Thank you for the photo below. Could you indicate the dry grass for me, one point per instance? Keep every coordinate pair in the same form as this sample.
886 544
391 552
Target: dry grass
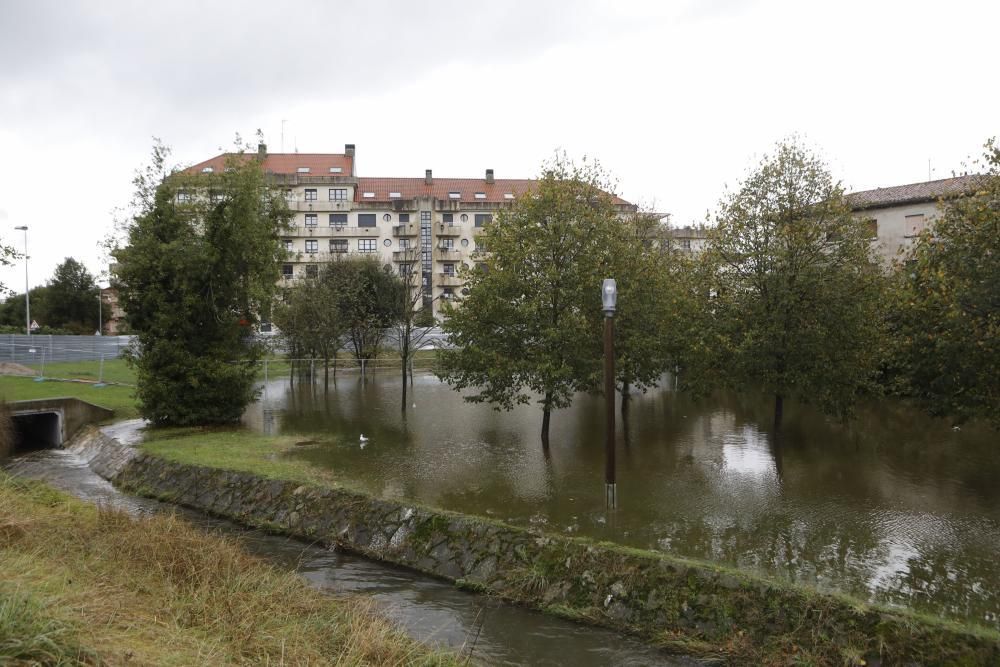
104 588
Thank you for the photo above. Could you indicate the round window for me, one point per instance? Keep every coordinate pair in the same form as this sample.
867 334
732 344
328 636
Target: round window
387 217
465 217
465 243
387 243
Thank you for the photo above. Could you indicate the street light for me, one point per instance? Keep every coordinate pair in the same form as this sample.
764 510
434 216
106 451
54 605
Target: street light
27 299
609 297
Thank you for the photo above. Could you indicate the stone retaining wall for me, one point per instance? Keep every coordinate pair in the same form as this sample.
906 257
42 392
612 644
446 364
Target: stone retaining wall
690 607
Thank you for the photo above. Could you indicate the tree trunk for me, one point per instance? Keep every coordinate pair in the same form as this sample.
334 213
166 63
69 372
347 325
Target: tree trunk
402 364
326 373
546 418
626 395
779 410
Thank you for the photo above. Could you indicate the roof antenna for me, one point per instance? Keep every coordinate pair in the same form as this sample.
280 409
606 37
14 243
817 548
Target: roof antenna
283 121
928 169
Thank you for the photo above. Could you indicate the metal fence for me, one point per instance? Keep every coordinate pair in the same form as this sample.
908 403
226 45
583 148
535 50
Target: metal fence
59 356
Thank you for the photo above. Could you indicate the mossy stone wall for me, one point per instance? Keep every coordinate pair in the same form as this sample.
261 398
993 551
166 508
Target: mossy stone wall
688 606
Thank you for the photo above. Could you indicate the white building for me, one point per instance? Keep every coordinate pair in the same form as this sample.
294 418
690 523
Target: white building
424 224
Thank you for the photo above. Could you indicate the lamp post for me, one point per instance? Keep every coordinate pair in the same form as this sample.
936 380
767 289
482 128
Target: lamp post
27 297
609 297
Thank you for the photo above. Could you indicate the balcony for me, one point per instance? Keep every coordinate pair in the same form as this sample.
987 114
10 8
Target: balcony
319 205
447 229
447 255
411 255
449 280
409 229
325 231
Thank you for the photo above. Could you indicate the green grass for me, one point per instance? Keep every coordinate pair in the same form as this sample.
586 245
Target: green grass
237 449
116 397
85 585
115 370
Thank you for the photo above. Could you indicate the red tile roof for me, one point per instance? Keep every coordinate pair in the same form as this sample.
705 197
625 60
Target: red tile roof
288 163
913 193
440 188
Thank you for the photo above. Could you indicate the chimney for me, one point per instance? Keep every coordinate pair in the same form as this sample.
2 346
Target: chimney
349 150
261 151
489 176
428 178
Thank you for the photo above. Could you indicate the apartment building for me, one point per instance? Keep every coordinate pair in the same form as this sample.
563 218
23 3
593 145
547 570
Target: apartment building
895 216
427 225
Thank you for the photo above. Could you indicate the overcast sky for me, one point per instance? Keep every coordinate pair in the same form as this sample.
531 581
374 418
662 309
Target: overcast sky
676 99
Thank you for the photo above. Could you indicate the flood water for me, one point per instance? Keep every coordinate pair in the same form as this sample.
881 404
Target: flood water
895 508
428 609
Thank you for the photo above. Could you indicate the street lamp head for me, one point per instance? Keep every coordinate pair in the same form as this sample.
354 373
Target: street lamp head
22 228
609 296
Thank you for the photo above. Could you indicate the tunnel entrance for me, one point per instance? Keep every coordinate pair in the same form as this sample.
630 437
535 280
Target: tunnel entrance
37 430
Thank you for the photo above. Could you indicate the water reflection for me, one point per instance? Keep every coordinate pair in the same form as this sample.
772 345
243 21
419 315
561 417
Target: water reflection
894 507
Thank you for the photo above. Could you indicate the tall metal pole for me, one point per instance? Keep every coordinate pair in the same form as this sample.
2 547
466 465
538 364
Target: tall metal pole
609 299
27 297
100 313
610 486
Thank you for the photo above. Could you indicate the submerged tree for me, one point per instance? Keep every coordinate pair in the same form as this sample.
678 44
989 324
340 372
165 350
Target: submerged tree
368 299
531 321
946 324
791 306
202 257
414 320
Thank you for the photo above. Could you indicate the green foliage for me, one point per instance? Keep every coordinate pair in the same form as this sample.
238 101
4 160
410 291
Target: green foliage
71 301
192 279
789 302
368 301
531 323
946 323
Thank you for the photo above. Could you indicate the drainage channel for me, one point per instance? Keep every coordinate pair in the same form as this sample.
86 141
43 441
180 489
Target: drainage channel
429 610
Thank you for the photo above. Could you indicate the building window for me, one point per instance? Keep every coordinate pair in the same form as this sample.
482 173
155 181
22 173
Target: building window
405 270
686 244
366 220
310 194
404 244
336 170
404 217
480 246
394 195
449 218
338 220
465 217
483 218
312 271
303 170
449 269
368 195
387 242
312 246
338 194
286 271
311 219
184 197
288 245
508 195
447 294
366 245
871 226
338 245
454 195
387 217
465 243
915 224
217 197
480 195
289 195
446 244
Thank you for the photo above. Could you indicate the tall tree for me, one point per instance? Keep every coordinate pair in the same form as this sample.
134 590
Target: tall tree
368 301
202 257
310 322
72 298
531 321
946 325
414 321
795 288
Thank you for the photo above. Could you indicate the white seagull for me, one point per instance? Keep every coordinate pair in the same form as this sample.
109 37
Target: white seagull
363 440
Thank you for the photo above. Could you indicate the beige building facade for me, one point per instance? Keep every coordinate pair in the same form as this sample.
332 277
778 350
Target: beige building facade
427 225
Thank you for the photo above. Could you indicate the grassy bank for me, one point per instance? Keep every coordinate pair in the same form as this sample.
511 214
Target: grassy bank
84 585
117 397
